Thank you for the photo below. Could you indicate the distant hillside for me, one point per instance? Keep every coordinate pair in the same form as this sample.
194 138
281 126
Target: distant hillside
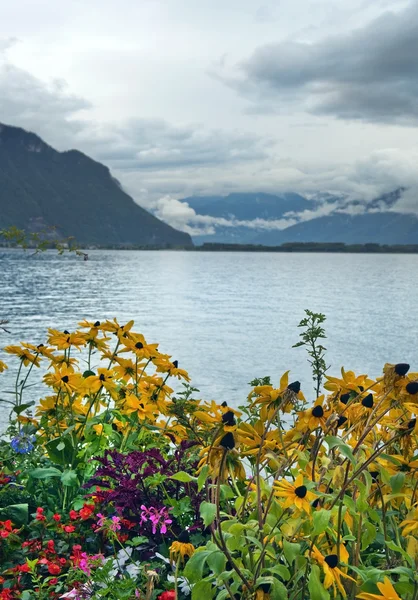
378 228
40 187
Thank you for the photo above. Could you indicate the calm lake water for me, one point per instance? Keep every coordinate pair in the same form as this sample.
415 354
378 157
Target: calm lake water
226 317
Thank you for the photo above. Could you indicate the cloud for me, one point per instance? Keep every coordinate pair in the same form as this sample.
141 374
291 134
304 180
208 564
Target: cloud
182 216
368 74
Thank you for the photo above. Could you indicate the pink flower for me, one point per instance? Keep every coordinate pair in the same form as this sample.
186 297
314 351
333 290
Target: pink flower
158 518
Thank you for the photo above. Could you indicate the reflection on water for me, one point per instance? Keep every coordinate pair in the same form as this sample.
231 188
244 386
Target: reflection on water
227 317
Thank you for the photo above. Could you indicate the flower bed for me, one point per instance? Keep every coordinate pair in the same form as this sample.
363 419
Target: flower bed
113 486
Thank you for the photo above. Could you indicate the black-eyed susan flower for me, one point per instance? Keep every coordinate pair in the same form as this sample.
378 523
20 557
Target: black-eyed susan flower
295 494
64 377
332 572
64 339
314 417
181 548
3 366
27 357
386 589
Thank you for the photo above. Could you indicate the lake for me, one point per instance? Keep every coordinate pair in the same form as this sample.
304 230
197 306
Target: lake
226 317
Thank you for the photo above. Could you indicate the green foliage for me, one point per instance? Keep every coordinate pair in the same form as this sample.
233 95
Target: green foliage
313 331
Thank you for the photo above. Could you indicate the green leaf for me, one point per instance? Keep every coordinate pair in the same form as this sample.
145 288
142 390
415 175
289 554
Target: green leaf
277 589
396 482
59 454
183 477
396 548
17 513
282 571
203 475
88 374
368 534
291 551
202 589
344 449
320 521
316 589
40 473
19 409
207 512
194 567
217 562
70 479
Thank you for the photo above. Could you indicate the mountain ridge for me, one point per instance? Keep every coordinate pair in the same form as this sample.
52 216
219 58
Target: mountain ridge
41 187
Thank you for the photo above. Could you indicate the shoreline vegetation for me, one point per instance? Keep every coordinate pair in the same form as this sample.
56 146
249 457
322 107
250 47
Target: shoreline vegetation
115 487
310 247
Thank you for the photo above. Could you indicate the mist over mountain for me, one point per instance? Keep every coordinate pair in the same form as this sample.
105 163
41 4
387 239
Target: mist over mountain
41 188
268 219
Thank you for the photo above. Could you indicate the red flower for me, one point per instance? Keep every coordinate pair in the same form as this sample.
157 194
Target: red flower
54 569
73 515
56 518
50 546
53 581
69 528
86 511
24 568
169 595
39 514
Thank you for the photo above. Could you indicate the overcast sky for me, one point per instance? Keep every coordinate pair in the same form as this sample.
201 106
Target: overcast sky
184 97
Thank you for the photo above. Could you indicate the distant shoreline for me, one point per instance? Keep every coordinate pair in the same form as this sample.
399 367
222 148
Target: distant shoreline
300 247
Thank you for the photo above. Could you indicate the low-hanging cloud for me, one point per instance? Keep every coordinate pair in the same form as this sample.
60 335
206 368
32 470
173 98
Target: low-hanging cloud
367 74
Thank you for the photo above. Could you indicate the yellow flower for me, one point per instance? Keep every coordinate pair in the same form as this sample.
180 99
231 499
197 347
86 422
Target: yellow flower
64 339
98 429
296 494
104 378
3 366
25 356
332 573
64 377
410 525
386 589
181 548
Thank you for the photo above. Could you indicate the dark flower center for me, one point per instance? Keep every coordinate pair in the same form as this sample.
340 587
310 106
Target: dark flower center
401 369
139 345
368 401
40 346
294 387
228 441
102 377
301 491
361 388
412 423
344 398
315 503
228 418
65 379
341 421
176 364
332 560
224 404
318 412
374 475
97 323
66 332
412 387
184 537
265 587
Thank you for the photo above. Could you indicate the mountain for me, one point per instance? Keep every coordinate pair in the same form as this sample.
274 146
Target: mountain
40 188
240 210
378 228
240 214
